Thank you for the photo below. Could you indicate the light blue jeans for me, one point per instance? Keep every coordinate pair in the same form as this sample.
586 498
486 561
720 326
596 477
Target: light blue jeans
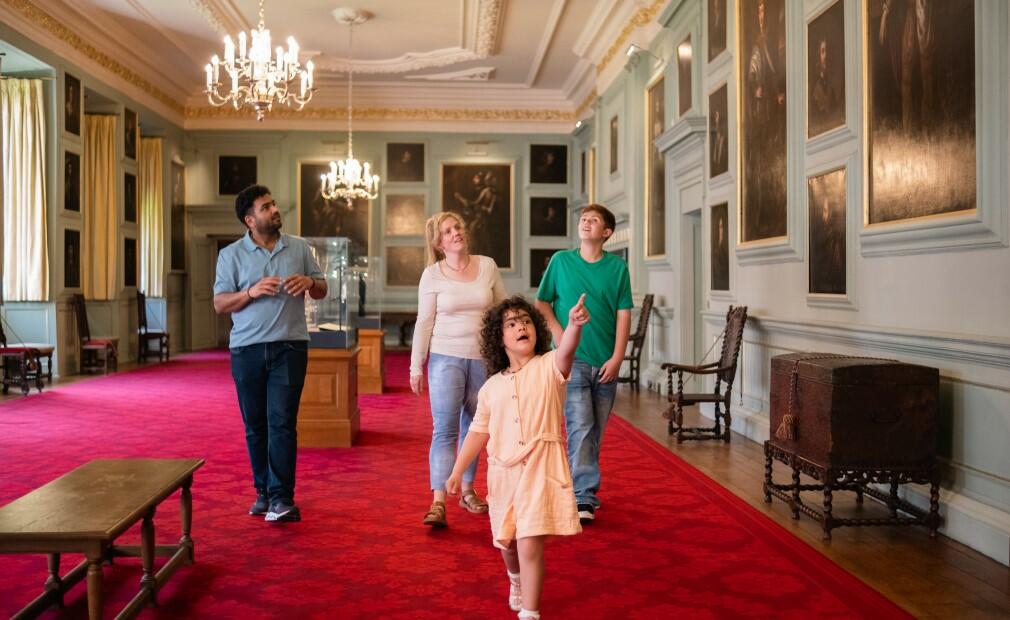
587 409
453 383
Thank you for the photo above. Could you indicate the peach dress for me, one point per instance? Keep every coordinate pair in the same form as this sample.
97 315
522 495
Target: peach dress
529 483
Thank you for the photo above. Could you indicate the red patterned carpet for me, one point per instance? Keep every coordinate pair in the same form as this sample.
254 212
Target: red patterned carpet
668 541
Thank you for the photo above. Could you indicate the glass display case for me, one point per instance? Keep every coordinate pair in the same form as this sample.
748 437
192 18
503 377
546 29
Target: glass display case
332 320
366 275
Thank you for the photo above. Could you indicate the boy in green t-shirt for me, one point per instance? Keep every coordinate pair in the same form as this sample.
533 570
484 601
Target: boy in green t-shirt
604 279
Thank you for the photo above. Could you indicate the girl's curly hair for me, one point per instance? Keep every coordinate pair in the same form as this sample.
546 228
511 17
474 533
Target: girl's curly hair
492 332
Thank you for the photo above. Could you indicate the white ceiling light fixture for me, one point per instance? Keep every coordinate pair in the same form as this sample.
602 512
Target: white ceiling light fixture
349 179
258 77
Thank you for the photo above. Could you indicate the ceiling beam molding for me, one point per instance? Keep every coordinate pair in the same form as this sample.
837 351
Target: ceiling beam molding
222 15
550 28
489 23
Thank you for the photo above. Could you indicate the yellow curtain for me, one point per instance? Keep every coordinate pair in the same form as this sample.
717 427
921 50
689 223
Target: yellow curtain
100 244
152 210
26 257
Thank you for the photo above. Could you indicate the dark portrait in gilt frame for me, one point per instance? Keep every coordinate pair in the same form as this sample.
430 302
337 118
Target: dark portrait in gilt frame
920 108
482 195
130 197
235 173
655 164
539 259
178 217
71 181
405 214
319 217
130 131
826 216
762 120
404 264
718 132
548 217
716 28
71 258
719 247
404 162
72 104
129 262
684 53
548 163
826 70
613 145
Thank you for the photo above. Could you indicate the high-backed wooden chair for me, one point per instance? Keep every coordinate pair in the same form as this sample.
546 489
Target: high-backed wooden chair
724 370
92 347
637 341
146 335
22 364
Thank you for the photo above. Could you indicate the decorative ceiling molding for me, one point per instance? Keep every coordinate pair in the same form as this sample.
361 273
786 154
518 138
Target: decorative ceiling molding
641 17
550 29
54 27
373 113
489 20
476 74
588 101
218 17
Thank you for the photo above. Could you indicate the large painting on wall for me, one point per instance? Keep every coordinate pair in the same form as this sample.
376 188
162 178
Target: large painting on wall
404 265
178 217
235 173
716 28
404 214
71 181
826 70
718 132
482 195
405 163
71 104
548 163
763 120
548 216
129 262
826 215
539 259
656 190
130 197
130 131
921 108
320 217
719 247
613 145
71 258
684 77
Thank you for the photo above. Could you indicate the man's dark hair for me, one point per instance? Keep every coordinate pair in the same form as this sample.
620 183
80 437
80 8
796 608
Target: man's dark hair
492 332
609 221
245 199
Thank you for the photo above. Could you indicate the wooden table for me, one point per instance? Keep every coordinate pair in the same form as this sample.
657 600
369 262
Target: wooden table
85 510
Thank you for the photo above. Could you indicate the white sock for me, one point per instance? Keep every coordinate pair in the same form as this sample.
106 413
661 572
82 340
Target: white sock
513 577
526 613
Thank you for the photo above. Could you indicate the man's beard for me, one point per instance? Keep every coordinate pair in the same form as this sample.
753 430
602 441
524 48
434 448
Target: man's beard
270 227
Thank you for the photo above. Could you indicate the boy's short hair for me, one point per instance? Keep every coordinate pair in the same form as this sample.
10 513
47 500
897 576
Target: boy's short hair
609 221
492 330
245 199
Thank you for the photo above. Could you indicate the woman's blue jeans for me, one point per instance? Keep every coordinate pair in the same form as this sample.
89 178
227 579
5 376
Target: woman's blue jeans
453 383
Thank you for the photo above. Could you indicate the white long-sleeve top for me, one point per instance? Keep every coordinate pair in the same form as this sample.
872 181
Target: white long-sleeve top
449 312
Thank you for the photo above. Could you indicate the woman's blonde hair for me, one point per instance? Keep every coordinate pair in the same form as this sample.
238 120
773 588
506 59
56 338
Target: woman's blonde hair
433 233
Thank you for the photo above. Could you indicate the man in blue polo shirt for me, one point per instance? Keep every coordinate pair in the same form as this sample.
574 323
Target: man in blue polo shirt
261 281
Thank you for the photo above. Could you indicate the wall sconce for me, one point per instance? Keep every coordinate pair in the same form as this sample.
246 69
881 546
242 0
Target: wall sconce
634 51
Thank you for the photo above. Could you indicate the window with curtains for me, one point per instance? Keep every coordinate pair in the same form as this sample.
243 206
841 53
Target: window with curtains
152 246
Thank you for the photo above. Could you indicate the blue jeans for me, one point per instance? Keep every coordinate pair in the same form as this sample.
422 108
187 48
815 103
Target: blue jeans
269 378
587 408
453 383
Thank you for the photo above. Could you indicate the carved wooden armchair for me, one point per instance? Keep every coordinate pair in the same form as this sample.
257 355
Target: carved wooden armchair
22 364
145 335
724 370
637 341
92 347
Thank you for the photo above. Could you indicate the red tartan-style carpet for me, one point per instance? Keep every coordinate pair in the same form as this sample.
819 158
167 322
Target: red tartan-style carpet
668 541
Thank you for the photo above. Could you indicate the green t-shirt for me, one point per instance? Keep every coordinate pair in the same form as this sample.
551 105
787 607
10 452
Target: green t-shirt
607 286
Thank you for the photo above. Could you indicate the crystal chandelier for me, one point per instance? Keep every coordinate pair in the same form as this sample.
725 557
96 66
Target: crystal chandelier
350 179
258 78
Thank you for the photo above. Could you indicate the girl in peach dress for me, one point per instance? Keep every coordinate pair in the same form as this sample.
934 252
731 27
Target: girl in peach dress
520 418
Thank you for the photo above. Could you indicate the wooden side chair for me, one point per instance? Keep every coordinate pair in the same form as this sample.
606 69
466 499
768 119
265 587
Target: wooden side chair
43 353
637 341
92 347
146 335
21 364
724 370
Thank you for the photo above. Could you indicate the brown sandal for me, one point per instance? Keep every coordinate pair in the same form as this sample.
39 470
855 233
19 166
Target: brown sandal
435 516
472 502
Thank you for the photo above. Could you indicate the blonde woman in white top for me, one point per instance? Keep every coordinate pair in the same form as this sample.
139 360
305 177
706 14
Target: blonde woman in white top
455 290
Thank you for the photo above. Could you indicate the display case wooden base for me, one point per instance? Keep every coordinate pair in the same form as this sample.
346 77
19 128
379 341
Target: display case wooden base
371 372
328 416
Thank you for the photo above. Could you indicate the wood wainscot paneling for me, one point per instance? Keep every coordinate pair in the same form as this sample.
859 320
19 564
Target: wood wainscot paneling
371 373
328 416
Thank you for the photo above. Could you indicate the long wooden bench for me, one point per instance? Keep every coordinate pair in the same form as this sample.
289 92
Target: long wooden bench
85 510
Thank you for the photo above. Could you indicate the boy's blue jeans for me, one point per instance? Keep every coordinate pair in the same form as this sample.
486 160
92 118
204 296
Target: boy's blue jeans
587 409
453 383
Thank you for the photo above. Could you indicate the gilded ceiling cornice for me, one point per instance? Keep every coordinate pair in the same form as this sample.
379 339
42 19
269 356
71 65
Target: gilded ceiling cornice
50 24
641 17
490 15
412 114
588 101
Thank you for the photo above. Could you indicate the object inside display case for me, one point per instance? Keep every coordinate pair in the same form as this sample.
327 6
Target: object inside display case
332 320
366 275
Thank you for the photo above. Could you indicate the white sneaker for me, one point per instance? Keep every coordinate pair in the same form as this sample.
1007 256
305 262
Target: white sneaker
515 595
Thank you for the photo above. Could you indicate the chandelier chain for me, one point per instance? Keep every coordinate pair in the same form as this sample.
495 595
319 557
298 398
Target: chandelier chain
350 92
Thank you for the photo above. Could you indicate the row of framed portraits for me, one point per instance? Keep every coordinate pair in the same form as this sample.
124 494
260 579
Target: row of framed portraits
72 259
72 188
919 125
73 114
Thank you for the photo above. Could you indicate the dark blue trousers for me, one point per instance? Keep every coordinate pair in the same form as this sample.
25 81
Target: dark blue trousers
269 378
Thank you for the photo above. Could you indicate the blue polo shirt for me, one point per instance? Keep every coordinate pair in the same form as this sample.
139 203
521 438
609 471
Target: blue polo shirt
266 319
